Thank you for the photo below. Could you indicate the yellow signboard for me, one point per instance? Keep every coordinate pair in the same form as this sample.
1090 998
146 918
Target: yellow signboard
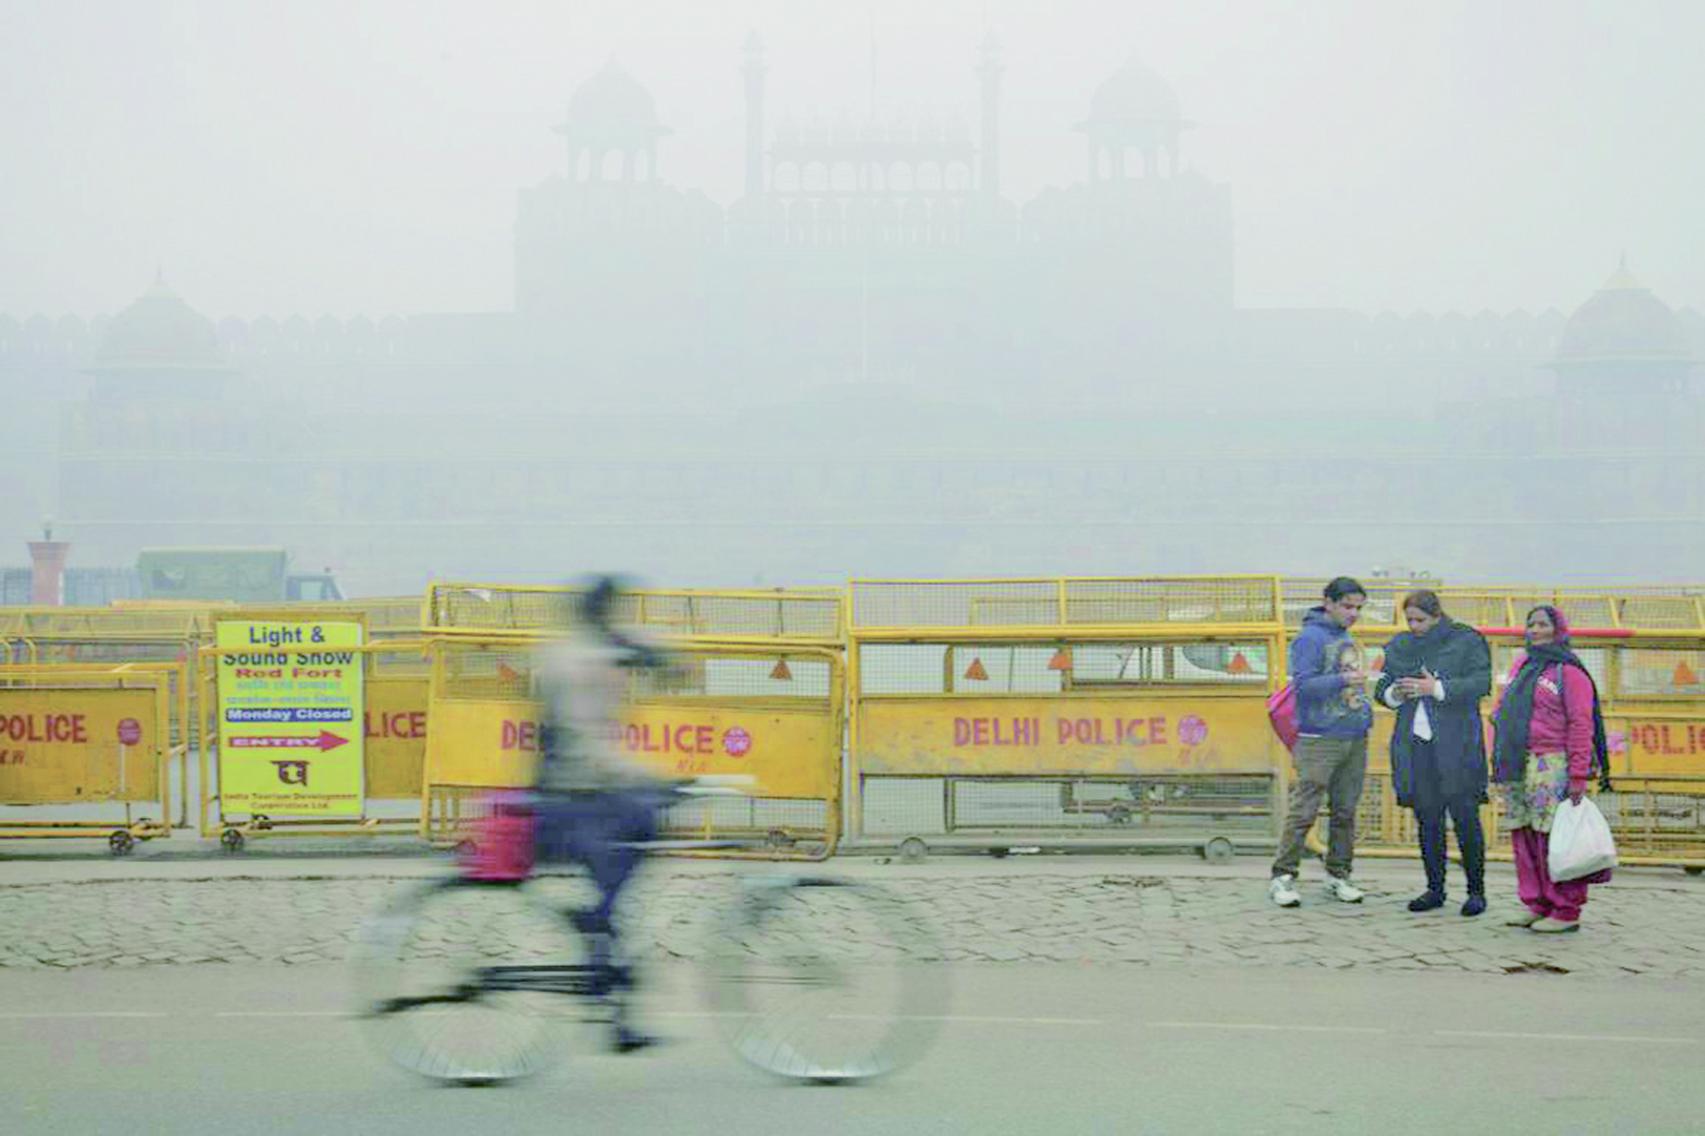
790 753
61 746
1039 736
290 717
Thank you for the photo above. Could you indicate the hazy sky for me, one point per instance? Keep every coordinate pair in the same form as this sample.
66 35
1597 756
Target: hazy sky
336 157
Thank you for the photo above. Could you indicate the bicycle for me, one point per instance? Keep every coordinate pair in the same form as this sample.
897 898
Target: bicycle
468 981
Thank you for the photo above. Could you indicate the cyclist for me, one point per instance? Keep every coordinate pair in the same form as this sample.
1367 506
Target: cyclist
594 807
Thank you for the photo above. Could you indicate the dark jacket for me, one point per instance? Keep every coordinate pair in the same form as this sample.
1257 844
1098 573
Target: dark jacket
1457 654
1325 706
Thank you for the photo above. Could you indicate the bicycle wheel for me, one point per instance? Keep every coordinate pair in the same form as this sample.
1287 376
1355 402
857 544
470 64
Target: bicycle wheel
464 982
825 980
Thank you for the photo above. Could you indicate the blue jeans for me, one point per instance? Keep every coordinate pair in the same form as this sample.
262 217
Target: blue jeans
597 829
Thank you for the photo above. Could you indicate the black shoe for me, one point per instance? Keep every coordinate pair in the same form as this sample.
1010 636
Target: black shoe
1475 905
625 1040
1427 901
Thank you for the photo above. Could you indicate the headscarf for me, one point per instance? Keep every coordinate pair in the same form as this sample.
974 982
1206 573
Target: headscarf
1515 714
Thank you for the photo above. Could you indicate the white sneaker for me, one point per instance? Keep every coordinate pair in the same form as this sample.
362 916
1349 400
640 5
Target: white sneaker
1343 890
1283 891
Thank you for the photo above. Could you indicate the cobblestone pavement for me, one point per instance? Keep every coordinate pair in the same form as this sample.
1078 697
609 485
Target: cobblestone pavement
1111 911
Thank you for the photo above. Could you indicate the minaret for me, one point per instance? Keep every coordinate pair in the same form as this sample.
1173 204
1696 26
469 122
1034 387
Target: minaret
753 70
988 150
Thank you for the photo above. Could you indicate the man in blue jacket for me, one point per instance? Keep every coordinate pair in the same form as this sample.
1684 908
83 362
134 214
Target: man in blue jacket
1333 718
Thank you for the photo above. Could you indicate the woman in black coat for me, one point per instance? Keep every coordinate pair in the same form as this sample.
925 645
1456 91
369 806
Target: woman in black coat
1435 676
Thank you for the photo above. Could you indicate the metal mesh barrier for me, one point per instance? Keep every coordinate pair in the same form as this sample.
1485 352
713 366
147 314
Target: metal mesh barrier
108 650
1684 613
1660 671
1595 659
1632 607
1299 595
1182 809
499 609
802 616
387 617
769 676
955 603
1581 610
94 623
1478 609
504 671
487 672
1657 816
1206 600
1061 602
789 616
974 669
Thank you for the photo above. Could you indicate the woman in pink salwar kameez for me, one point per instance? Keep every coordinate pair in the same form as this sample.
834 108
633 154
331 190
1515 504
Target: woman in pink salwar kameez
1549 743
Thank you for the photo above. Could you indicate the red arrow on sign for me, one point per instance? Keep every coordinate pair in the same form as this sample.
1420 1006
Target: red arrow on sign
326 740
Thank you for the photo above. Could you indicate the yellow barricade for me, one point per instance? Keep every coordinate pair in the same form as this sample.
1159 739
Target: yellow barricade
86 736
1129 711
773 714
111 636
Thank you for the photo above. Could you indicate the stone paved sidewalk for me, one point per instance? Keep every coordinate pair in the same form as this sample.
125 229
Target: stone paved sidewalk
1114 910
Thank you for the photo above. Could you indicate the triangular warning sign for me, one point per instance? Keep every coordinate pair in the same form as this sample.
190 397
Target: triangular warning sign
1062 660
1238 665
1684 675
975 671
781 673
507 673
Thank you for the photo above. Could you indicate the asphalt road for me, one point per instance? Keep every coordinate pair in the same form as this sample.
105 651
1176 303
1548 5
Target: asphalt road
1026 1048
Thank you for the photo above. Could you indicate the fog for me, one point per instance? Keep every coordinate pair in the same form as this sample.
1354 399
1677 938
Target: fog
788 292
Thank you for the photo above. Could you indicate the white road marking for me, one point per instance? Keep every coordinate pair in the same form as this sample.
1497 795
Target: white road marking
977 1018
973 1018
1499 1035
46 1016
1266 1027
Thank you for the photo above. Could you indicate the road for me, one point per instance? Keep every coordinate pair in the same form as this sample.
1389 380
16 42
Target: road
1026 1048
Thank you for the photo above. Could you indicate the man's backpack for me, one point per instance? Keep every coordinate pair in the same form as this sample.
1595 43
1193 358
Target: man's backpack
1282 713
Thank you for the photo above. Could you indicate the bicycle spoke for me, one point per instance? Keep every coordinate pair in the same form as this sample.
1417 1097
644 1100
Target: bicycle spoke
444 1006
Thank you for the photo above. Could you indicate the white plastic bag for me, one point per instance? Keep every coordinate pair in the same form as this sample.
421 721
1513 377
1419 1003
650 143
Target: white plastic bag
1581 843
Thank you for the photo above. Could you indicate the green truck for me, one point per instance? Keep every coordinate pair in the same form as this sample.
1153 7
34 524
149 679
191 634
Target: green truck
243 575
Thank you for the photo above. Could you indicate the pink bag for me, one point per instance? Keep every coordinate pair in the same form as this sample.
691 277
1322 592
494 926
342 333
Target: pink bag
500 847
1282 713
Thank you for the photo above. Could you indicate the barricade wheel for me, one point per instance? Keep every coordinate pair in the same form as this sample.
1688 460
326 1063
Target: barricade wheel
121 842
913 850
231 840
1219 850
466 982
824 980
1693 869
1119 814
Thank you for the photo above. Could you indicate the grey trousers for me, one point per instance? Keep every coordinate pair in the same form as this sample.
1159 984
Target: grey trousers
1333 768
